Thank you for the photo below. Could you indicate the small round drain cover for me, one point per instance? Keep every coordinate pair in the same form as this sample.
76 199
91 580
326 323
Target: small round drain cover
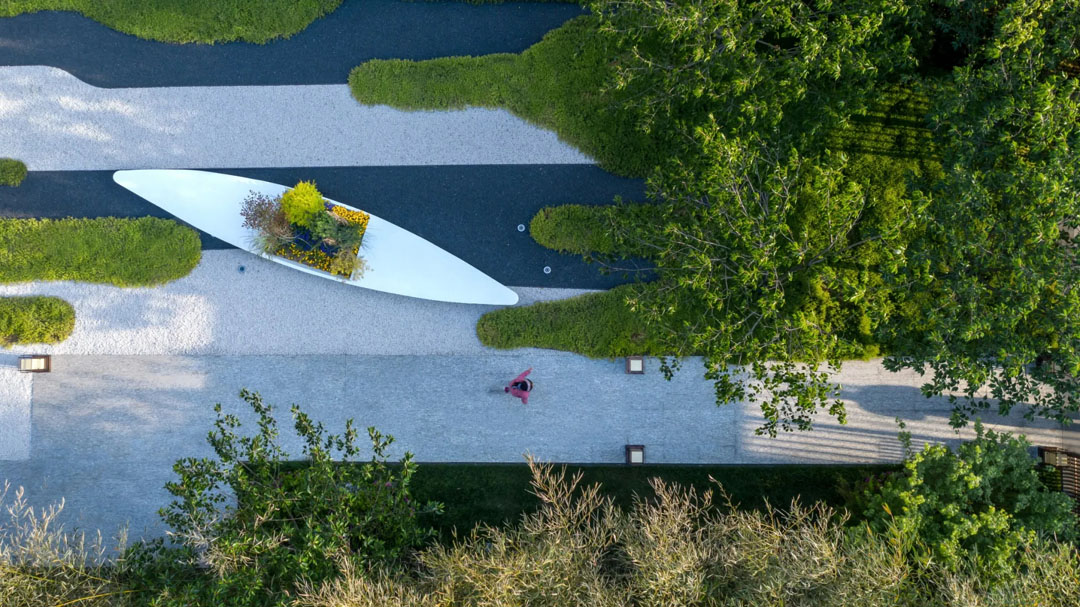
240 269
521 227
547 269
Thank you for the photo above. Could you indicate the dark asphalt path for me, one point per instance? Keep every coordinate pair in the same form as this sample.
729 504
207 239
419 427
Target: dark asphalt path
323 53
471 211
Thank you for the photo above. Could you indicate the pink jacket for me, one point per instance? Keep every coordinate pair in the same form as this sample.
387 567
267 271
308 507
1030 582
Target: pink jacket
522 394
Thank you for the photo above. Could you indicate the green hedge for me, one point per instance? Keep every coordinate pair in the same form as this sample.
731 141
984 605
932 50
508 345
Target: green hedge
587 229
499 493
557 83
35 320
206 21
123 252
12 171
600 325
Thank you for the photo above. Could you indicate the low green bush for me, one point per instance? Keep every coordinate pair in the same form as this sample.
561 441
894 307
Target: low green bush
574 228
12 171
205 21
599 325
303 203
123 252
557 83
35 320
589 229
498 494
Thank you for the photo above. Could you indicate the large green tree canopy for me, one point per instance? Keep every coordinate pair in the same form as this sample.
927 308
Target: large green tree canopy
780 242
990 286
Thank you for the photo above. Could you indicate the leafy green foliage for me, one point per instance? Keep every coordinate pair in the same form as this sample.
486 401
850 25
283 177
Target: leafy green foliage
205 21
753 260
303 203
557 83
124 252
600 325
980 504
289 524
12 171
761 66
35 320
989 287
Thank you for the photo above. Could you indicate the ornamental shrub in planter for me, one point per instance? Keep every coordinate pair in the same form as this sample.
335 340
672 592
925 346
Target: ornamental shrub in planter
302 204
302 226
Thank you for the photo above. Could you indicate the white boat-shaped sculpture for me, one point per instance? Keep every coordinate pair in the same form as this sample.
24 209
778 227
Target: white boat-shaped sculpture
397 261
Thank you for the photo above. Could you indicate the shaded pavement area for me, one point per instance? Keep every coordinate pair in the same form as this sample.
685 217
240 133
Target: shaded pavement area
471 211
106 429
359 30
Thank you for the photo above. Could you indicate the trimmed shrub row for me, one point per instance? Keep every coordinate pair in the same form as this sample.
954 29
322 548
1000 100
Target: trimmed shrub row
12 171
124 252
205 21
557 83
599 325
35 320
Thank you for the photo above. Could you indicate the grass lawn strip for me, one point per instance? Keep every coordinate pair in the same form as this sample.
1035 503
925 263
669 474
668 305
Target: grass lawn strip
497 493
557 83
35 320
146 251
206 21
12 171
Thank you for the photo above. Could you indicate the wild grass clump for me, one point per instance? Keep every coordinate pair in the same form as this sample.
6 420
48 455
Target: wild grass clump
44 565
146 251
35 320
679 547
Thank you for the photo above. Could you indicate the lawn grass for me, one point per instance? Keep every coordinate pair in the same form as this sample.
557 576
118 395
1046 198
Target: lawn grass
35 320
500 493
599 325
12 171
557 83
123 252
205 21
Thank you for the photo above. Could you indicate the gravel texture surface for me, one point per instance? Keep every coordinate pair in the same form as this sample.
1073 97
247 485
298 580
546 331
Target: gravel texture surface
267 309
52 121
15 394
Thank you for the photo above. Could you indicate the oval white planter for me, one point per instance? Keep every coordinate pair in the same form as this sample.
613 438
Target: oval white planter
398 261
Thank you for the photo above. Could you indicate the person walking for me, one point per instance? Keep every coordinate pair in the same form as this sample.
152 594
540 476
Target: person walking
521 387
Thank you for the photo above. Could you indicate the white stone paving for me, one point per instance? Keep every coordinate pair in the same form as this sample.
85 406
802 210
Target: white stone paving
52 121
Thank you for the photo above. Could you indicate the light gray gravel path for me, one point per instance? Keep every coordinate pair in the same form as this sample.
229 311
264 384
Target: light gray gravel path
267 309
15 393
52 121
106 429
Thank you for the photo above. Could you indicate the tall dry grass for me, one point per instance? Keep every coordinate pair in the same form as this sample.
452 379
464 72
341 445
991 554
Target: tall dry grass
44 565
